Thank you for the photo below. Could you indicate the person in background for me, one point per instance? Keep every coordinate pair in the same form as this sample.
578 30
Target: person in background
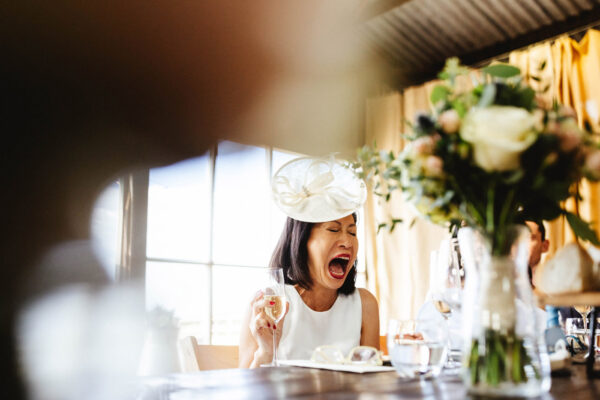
538 245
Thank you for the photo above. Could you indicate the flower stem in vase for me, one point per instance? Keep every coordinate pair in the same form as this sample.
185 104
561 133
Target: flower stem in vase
503 360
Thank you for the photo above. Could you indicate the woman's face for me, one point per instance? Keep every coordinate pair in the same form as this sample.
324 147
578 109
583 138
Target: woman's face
332 248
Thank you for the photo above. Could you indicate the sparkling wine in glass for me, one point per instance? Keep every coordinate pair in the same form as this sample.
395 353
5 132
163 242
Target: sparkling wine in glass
583 311
274 293
443 308
275 312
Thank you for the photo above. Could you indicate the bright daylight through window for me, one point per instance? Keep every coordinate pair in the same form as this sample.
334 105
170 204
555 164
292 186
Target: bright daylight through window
211 227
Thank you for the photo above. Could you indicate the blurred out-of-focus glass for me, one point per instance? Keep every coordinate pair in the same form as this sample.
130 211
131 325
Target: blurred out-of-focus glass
105 228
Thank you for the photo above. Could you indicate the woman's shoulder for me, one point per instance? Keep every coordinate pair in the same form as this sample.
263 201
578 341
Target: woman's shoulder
369 302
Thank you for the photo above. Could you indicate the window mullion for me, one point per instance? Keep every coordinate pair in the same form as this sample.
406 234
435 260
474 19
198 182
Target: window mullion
134 221
212 172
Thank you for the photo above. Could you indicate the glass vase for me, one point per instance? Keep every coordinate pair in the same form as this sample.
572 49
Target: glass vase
504 352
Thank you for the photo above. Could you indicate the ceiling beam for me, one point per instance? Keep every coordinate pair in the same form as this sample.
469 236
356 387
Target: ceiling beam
586 19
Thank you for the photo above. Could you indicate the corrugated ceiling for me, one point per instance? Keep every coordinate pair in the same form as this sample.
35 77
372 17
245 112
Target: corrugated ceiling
415 37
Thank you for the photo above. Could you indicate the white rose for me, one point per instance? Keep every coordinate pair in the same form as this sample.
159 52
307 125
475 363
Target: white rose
499 134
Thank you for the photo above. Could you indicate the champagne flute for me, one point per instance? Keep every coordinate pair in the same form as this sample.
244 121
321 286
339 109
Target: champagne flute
274 296
446 287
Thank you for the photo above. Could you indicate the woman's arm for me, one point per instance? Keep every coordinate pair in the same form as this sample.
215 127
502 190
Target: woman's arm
369 332
256 337
251 355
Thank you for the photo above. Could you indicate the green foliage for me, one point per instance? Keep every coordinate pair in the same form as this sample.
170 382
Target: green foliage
439 93
452 70
501 70
391 225
582 229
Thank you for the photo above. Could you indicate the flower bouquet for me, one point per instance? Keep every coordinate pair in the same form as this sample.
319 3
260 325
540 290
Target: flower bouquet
491 157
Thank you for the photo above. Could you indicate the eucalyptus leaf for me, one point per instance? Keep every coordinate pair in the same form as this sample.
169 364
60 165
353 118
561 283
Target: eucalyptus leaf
460 108
514 177
394 222
501 70
527 96
439 92
582 229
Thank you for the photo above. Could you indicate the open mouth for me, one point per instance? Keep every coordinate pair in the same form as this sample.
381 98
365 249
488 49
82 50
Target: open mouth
338 266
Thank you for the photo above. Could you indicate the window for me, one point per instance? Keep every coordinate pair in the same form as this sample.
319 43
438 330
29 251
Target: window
211 227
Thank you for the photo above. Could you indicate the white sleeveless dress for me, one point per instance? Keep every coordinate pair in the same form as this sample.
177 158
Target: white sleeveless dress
305 329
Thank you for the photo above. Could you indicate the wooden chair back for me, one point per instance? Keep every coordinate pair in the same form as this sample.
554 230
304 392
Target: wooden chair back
383 345
196 357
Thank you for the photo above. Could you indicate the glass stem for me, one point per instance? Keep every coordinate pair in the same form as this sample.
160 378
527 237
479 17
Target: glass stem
448 342
274 362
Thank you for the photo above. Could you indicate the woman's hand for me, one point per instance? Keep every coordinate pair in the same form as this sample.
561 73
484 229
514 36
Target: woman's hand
263 328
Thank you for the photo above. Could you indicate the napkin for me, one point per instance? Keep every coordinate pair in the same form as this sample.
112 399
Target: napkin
356 368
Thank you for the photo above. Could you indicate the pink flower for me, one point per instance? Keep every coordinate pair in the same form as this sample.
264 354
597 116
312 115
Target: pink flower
543 102
434 166
569 141
424 145
568 133
449 121
566 111
553 127
592 163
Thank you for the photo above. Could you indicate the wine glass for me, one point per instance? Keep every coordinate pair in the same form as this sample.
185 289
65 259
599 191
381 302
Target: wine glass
583 311
446 287
275 303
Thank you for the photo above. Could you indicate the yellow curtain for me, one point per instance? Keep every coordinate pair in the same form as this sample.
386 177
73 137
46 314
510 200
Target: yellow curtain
572 76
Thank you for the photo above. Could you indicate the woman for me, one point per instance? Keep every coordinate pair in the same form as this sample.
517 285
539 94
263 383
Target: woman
325 307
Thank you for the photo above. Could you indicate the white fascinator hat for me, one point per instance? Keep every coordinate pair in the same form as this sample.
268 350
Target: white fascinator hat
317 189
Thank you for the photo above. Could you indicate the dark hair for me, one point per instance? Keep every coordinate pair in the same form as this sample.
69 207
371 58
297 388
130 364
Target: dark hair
538 222
542 229
291 254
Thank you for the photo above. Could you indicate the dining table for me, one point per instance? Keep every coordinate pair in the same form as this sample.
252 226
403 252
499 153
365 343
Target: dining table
310 383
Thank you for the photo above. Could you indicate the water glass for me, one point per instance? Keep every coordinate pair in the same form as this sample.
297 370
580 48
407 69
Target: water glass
417 347
578 334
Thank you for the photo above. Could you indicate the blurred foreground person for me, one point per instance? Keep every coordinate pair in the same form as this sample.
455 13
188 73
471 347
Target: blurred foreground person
91 90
